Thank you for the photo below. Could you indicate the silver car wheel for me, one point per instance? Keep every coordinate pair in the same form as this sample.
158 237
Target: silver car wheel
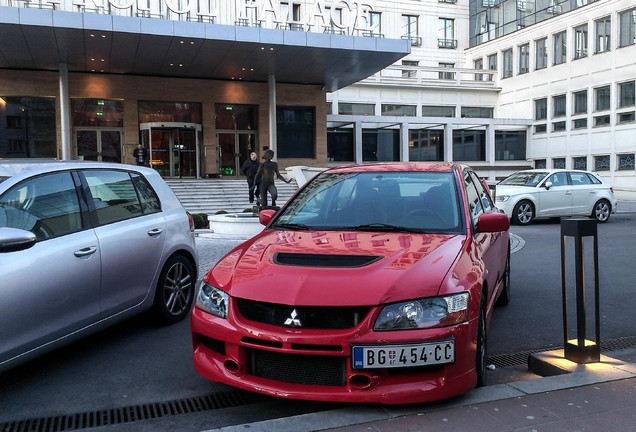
602 211
175 290
523 213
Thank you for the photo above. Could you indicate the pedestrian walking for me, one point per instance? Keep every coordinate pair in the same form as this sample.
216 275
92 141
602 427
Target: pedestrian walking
265 176
249 169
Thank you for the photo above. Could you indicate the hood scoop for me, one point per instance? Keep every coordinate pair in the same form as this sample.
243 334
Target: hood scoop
324 260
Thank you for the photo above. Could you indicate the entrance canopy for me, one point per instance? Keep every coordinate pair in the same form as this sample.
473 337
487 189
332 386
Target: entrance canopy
36 39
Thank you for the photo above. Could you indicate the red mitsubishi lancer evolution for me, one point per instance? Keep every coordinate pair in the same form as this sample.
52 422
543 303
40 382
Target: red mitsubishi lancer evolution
374 283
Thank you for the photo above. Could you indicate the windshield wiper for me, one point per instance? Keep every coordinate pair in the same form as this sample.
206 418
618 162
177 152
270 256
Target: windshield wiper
293 226
383 227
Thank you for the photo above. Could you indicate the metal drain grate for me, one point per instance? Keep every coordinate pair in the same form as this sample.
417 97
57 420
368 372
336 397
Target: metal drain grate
100 418
520 358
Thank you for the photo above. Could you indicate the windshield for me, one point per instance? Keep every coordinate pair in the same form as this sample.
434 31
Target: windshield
524 178
398 201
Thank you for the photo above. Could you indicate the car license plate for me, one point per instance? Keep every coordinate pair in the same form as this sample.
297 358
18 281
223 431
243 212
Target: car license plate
409 355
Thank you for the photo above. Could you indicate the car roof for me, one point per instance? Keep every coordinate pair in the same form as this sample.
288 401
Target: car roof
396 166
27 167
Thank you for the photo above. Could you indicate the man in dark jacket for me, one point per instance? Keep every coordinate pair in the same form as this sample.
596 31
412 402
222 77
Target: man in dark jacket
141 155
249 169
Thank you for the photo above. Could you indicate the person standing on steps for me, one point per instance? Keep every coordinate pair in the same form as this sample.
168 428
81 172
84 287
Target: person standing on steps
265 176
249 169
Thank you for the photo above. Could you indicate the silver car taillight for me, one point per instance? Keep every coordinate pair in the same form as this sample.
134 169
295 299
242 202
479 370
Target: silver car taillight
190 221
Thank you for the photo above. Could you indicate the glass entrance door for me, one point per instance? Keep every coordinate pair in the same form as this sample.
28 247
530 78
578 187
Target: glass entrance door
98 144
173 148
235 149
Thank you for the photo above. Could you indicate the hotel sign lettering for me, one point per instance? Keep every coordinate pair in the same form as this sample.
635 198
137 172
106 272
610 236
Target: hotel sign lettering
345 15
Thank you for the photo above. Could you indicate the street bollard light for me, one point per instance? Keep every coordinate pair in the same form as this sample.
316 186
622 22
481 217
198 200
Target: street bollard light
580 349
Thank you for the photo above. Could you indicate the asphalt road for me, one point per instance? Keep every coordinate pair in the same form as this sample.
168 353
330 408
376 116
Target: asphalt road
138 367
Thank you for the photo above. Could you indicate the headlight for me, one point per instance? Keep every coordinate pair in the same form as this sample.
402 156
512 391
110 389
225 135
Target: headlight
212 300
502 198
424 313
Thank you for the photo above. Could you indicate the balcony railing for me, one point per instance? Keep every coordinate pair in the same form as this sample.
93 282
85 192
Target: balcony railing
428 76
415 40
447 43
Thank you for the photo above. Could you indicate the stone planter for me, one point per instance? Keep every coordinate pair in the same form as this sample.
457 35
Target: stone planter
235 223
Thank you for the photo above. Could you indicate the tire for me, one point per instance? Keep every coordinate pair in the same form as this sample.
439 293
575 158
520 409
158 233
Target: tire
523 213
504 297
482 345
601 211
175 290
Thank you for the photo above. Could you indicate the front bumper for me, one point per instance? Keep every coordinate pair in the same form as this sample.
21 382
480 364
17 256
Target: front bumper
316 364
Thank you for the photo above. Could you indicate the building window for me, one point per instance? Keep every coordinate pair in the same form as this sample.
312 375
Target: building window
438 111
626 162
97 112
479 64
540 128
409 73
340 146
477 112
627 28
447 75
558 104
356 109
558 163
426 145
602 163
469 145
580 41
30 131
410 29
603 35
559 48
579 163
579 123
540 164
295 130
375 23
446 33
541 109
507 64
524 58
626 117
162 111
510 145
580 102
398 110
558 126
602 98
626 94
492 65
541 53
381 145
329 108
601 121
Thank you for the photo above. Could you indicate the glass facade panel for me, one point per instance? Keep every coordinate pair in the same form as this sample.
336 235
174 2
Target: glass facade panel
160 111
295 132
438 111
510 145
97 112
426 145
469 145
356 109
27 127
340 146
380 145
236 117
398 110
477 112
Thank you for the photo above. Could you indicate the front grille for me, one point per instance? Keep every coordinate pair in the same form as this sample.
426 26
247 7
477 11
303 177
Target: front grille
310 317
299 368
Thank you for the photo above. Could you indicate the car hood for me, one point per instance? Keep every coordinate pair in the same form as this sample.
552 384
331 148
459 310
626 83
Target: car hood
306 268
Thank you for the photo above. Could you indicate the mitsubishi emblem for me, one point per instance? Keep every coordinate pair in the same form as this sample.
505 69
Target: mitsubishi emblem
293 321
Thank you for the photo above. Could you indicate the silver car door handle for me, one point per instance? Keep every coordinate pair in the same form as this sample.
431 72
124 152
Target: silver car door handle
155 232
568 193
90 250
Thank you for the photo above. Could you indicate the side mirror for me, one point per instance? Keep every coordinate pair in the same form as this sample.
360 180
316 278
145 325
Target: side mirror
547 185
13 239
265 216
493 222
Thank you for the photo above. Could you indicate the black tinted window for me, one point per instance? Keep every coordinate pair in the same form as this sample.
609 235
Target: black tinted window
114 196
149 200
46 205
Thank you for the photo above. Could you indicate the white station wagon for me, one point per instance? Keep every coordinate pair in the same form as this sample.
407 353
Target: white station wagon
541 193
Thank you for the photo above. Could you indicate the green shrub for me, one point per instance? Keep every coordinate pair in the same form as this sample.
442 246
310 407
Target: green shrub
248 210
221 212
200 220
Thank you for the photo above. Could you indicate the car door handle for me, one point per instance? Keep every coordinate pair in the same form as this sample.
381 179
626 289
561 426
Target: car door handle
90 250
155 232
568 193
592 191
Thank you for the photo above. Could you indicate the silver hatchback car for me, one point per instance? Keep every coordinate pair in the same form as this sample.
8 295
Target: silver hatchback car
84 245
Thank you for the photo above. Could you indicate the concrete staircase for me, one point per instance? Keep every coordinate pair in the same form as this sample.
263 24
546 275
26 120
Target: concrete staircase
211 195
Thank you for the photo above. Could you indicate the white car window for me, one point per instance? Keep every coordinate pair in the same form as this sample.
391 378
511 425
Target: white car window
579 179
558 179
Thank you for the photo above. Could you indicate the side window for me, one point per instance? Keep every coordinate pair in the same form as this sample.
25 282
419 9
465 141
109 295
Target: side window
149 200
46 205
578 179
114 196
593 179
474 201
484 194
558 179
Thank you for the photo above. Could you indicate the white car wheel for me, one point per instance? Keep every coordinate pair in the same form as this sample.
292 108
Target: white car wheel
523 213
601 211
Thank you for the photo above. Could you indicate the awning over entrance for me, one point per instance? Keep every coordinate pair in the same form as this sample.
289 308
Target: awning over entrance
36 39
